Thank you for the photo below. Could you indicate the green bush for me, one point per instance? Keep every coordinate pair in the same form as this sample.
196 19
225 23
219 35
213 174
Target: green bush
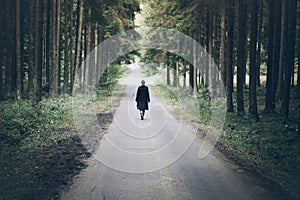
25 125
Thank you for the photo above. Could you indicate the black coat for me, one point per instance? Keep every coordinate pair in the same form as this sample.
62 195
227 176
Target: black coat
142 98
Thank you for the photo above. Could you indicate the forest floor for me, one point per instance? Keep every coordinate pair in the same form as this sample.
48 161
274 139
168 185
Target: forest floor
41 172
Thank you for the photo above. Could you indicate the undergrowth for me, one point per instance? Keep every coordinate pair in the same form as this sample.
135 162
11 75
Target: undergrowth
40 146
270 147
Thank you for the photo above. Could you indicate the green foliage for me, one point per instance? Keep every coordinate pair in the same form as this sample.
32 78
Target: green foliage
269 147
27 125
40 148
199 107
110 78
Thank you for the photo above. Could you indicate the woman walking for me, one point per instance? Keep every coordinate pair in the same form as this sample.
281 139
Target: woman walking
142 99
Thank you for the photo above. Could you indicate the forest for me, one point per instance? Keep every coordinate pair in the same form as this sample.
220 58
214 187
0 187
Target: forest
254 43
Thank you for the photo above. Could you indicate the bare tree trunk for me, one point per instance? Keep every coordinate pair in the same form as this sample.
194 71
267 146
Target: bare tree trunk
53 77
269 104
253 43
229 67
48 43
283 41
184 73
168 69
222 46
1 53
99 66
93 55
71 61
57 47
191 79
259 41
276 51
31 50
87 63
18 51
298 78
298 84
8 52
38 51
67 34
177 74
241 53
290 58
195 68
79 39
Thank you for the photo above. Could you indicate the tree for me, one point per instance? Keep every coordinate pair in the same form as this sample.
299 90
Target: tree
253 44
269 104
259 40
8 51
88 34
68 37
222 45
283 41
229 63
241 56
31 52
38 51
290 58
78 38
18 51
276 52
1 53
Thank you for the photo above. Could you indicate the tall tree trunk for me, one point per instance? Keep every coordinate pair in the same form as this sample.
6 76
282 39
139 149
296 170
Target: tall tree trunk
241 53
99 66
79 39
48 42
38 51
229 63
184 73
177 75
71 61
298 77
290 58
87 64
276 52
168 68
67 34
53 77
246 10
31 50
269 104
8 51
222 45
191 78
1 53
210 51
298 85
195 65
174 71
253 44
57 46
259 41
18 51
283 42
93 55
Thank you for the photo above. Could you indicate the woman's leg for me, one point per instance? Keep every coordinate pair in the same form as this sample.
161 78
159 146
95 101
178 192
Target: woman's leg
142 113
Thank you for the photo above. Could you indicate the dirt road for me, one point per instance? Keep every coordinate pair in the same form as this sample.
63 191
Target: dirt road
157 158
